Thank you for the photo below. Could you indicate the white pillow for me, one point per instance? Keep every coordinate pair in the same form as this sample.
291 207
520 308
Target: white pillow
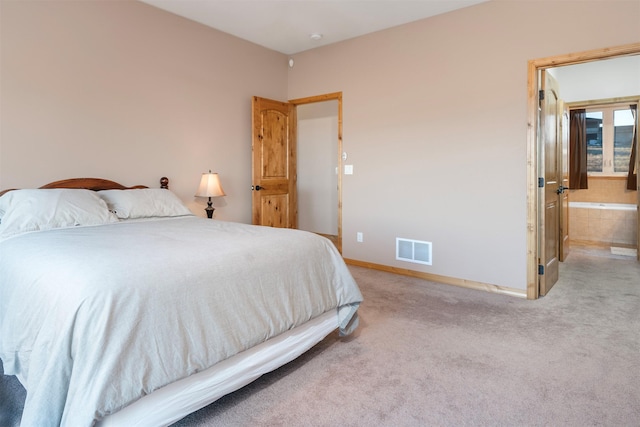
144 203
33 210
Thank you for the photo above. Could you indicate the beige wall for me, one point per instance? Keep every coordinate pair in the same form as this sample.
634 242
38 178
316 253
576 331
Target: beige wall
605 190
435 123
317 146
125 91
435 114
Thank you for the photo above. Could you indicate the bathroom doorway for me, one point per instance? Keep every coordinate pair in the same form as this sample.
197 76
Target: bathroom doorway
536 239
603 214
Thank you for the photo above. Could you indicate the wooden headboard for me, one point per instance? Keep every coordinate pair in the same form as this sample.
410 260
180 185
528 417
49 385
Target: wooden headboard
95 184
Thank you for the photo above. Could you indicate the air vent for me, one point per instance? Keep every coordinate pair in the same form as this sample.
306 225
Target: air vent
413 251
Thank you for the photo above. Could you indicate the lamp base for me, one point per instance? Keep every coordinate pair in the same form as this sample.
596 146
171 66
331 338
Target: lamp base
209 209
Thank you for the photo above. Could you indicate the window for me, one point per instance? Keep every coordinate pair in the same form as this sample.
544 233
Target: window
609 138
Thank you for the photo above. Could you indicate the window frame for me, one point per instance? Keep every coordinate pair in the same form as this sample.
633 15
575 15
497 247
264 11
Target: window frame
608 131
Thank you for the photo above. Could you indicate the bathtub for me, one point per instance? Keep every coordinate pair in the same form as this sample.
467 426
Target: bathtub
604 223
605 206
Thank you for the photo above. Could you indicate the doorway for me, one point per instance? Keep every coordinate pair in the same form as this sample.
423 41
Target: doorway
317 167
535 198
319 181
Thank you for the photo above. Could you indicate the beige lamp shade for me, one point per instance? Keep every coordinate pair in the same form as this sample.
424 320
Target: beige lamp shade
210 186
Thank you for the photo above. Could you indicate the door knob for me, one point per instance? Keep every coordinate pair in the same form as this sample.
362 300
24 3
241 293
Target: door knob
561 189
257 188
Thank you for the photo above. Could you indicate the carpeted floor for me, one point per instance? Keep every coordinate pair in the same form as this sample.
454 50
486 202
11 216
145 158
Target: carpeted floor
437 355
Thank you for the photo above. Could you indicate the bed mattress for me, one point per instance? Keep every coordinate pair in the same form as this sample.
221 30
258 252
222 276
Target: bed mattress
94 318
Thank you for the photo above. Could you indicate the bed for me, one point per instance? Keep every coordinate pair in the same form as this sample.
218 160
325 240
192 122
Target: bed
118 306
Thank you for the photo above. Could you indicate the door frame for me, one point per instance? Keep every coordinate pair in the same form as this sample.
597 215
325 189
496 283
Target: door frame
533 218
337 96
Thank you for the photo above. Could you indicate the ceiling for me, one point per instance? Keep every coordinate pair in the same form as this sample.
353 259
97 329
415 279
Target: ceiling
286 26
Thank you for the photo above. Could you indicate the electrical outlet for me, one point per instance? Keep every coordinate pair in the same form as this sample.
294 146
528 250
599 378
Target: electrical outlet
359 237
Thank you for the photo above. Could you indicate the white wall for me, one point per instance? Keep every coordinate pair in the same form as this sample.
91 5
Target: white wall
618 77
435 123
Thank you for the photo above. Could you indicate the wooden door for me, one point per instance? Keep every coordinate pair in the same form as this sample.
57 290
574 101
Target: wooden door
637 172
564 183
273 147
551 173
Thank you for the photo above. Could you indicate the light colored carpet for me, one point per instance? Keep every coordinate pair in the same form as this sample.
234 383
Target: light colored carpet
435 355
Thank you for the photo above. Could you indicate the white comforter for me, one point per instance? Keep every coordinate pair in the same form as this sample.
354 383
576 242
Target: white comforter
92 318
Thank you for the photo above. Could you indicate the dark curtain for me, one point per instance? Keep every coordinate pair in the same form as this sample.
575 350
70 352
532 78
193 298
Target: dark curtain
632 178
578 149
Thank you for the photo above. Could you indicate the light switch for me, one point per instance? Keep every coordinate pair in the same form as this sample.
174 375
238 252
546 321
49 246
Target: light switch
348 169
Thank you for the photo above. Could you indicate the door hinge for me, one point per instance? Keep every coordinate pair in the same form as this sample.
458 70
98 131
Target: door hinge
541 95
540 182
540 269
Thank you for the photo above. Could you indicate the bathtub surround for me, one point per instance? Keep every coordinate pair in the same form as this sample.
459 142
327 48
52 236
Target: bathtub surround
604 214
607 224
